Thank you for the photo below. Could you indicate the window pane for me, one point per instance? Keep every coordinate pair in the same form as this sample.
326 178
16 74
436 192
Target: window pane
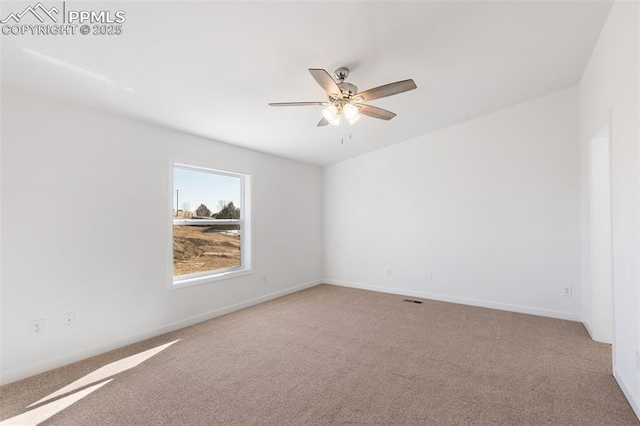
198 248
195 189
202 194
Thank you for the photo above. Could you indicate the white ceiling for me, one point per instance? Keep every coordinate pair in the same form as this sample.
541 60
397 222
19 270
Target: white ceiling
210 68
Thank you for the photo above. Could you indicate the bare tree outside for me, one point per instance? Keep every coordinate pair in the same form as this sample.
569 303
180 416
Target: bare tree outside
186 210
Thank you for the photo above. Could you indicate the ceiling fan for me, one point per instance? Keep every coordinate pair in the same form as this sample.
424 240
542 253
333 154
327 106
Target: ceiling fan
345 100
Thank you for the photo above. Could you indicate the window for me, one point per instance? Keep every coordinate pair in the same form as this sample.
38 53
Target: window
210 225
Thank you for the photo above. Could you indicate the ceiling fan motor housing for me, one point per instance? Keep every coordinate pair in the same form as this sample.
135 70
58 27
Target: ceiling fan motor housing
348 90
341 73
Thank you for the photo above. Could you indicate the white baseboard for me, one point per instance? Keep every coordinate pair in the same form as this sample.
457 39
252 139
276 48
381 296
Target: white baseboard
461 300
62 360
587 325
633 399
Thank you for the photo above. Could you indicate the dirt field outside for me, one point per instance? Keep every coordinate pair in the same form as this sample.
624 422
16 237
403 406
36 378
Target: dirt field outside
203 248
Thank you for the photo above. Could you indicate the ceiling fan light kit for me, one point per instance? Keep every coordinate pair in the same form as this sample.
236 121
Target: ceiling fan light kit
330 112
345 100
350 112
334 112
354 119
335 121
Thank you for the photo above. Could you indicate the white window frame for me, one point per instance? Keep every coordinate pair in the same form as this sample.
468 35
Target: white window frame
244 222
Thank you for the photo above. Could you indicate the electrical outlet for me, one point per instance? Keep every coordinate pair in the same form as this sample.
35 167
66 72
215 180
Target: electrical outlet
388 272
264 279
567 291
429 276
638 360
69 319
36 327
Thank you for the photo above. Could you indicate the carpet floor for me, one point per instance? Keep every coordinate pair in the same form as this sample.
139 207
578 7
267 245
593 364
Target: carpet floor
333 355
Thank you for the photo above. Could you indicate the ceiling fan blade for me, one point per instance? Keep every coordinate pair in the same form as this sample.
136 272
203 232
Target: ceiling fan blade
376 112
322 122
386 90
326 82
279 104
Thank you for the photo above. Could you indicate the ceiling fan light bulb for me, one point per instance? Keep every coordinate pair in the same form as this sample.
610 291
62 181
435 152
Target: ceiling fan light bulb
354 119
335 121
330 112
350 111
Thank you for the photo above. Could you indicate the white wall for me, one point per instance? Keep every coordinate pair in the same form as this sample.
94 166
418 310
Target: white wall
598 295
84 211
609 90
490 207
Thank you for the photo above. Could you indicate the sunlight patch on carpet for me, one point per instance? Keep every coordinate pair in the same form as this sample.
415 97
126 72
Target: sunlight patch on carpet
80 388
107 371
40 414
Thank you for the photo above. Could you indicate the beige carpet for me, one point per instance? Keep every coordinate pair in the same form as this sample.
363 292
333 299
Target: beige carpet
332 355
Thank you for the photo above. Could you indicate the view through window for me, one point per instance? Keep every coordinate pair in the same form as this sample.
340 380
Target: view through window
208 222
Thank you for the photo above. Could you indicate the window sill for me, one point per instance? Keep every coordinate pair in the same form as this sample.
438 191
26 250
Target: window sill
188 282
